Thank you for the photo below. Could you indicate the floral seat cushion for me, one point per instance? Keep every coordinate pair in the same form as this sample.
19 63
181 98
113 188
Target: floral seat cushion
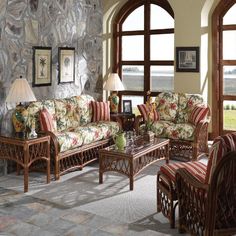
86 134
168 129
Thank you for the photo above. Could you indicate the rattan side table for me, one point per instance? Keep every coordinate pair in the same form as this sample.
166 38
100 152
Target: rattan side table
25 151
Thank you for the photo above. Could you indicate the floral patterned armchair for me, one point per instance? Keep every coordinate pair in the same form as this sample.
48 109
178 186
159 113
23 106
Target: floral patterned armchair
184 119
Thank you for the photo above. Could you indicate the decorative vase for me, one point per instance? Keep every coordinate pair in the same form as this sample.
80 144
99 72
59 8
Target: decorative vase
120 141
114 102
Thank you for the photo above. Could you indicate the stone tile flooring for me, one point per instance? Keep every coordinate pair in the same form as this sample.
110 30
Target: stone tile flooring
28 214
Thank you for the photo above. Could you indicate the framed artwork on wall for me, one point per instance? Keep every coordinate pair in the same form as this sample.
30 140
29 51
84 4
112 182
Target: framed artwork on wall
127 106
66 65
42 66
187 59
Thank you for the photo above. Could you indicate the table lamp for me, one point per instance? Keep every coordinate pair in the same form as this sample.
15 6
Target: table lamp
20 91
114 84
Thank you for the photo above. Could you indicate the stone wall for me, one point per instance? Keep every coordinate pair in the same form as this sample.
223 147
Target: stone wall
52 23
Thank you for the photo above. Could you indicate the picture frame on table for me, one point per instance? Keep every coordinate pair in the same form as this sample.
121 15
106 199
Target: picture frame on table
127 106
66 56
42 66
187 59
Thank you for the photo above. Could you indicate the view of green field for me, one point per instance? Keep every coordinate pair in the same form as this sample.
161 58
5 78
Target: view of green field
230 119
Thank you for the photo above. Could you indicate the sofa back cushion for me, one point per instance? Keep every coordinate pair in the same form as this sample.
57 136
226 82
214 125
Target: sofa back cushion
101 111
221 146
167 105
64 114
185 105
145 110
84 109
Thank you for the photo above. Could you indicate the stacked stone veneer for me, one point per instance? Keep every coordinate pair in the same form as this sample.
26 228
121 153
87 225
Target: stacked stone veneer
52 23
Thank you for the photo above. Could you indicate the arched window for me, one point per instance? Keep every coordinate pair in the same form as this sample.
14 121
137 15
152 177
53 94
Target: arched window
224 67
144 48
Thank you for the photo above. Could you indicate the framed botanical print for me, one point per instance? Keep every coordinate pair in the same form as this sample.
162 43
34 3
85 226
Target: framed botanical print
66 65
42 66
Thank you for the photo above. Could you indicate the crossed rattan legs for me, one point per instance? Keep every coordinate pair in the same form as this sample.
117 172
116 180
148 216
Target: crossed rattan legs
166 195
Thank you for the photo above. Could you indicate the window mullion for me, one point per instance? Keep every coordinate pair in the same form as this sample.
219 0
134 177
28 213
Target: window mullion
147 47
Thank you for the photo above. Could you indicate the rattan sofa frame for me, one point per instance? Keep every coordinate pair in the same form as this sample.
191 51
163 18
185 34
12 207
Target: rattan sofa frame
76 158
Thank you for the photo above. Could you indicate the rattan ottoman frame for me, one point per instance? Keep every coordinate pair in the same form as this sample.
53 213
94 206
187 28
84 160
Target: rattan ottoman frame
166 197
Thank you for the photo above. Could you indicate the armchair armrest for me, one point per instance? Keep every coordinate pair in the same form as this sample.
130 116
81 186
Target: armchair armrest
138 121
192 201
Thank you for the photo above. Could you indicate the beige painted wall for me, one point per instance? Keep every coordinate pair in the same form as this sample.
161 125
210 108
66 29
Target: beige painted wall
192 28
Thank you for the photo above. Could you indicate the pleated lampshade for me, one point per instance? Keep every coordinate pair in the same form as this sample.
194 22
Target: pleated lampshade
114 83
20 91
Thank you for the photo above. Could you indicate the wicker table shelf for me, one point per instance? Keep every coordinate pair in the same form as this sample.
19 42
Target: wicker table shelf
25 152
131 161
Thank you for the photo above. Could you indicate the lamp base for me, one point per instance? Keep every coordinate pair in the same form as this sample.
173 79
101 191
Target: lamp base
19 119
114 102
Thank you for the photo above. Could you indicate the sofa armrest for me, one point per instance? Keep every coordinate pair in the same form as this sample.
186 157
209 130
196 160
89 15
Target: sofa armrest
138 122
192 200
53 142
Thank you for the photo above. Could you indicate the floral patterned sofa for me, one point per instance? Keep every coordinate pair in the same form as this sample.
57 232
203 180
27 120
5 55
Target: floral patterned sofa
75 138
183 118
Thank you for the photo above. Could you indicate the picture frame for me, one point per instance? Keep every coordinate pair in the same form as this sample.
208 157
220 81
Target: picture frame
127 106
66 57
42 66
187 59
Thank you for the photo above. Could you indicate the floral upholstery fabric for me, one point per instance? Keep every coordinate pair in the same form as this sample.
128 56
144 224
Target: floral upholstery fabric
167 105
65 115
184 131
185 106
84 110
86 134
160 127
167 129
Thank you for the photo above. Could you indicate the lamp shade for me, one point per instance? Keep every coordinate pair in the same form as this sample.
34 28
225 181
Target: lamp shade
20 91
114 83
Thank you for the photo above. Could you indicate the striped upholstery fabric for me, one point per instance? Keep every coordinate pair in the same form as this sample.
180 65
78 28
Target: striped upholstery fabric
221 146
46 121
143 109
196 168
197 114
101 111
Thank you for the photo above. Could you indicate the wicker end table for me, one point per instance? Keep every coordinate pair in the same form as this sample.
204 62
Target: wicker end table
26 151
132 160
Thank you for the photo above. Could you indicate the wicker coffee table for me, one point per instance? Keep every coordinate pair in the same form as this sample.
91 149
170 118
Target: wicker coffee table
132 160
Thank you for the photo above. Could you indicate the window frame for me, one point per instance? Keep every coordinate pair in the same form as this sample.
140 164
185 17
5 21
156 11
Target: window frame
125 11
218 64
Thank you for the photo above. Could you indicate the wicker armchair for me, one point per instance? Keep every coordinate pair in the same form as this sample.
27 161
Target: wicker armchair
199 173
209 209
